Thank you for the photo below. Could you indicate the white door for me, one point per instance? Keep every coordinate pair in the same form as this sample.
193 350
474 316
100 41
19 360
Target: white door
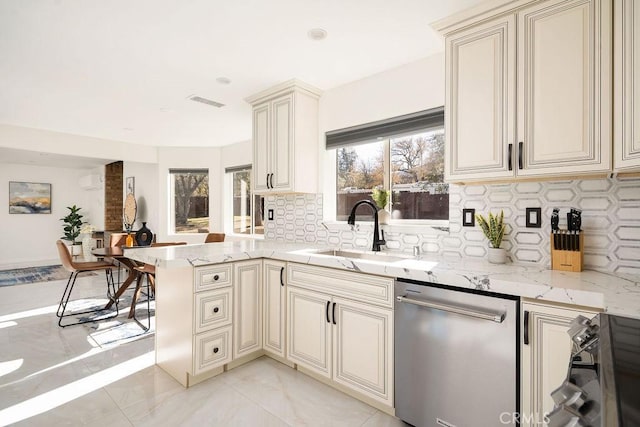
309 330
363 348
545 359
627 85
480 101
261 150
247 307
564 87
282 143
274 306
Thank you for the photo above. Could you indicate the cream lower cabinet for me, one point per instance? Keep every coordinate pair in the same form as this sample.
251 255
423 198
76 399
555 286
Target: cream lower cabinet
333 332
546 351
247 301
274 297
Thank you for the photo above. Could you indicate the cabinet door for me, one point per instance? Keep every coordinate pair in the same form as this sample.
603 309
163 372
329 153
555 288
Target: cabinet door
363 348
480 101
545 359
274 306
627 85
261 150
309 330
564 79
282 143
247 307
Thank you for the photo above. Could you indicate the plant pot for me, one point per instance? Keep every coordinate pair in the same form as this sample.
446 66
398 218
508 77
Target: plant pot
383 216
497 256
76 249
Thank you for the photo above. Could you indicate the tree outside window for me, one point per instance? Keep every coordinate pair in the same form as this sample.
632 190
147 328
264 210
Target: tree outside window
410 166
190 200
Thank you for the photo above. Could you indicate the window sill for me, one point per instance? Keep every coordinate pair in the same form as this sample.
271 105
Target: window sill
435 228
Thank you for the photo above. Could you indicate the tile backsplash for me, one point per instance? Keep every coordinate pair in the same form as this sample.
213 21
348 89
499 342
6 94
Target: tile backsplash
610 220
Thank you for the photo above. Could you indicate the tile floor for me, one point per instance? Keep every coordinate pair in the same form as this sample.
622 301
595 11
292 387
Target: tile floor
54 376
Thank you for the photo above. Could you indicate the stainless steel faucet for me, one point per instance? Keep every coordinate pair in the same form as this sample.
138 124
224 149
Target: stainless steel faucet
377 240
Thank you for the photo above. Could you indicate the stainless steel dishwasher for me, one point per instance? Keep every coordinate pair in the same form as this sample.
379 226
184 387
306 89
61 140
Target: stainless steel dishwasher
456 357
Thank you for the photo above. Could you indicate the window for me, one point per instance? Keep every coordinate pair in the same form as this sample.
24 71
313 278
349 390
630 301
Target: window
404 155
247 210
190 196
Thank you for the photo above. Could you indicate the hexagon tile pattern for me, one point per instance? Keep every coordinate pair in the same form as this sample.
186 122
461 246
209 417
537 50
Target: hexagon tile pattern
610 221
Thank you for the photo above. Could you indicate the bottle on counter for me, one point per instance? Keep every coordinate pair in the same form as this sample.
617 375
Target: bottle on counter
129 240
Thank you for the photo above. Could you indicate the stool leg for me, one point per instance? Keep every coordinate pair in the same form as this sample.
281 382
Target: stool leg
65 295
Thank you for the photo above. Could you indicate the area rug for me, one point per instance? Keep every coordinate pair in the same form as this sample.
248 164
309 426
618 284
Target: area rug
48 273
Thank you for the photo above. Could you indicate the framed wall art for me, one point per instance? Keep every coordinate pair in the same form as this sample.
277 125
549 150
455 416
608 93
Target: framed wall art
29 198
131 185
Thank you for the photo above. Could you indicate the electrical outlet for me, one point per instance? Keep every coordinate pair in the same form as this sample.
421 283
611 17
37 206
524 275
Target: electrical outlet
270 214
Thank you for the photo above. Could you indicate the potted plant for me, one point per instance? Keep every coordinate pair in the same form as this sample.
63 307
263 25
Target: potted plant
493 228
72 224
381 199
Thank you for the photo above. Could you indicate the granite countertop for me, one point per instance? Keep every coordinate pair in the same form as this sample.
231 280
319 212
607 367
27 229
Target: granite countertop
617 294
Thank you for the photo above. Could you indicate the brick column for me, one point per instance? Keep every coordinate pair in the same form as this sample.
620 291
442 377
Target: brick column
113 202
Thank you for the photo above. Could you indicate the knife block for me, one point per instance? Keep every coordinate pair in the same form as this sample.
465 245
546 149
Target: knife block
568 260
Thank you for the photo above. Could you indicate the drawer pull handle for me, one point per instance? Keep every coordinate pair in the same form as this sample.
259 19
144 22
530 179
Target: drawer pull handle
216 349
216 309
216 277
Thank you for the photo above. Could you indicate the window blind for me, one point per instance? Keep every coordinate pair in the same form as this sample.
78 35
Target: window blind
396 126
237 168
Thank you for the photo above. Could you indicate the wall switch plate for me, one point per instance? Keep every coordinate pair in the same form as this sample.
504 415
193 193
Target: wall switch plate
270 214
468 217
534 218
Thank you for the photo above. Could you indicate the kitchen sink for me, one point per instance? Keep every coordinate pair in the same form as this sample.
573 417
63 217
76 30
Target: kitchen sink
372 256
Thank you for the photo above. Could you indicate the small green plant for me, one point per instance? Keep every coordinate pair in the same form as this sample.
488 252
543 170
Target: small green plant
72 224
380 197
493 228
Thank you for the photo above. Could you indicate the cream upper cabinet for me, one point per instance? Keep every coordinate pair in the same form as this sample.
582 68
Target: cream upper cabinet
480 100
564 87
626 86
274 295
528 92
546 352
285 139
247 310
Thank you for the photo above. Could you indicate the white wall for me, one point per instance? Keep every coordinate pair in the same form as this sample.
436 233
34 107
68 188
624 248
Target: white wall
406 89
170 158
146 191
30 238
74 145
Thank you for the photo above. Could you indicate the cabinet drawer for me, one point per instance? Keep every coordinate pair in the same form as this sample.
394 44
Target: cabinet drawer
356 286
211 349
213 309
213 277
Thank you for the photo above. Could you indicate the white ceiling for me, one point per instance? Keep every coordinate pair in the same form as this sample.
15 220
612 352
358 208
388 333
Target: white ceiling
123 69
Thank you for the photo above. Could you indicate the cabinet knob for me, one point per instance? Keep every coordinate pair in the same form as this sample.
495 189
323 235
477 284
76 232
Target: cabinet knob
216 309
216 277
216 349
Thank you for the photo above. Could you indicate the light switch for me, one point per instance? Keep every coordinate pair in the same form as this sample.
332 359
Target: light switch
270 214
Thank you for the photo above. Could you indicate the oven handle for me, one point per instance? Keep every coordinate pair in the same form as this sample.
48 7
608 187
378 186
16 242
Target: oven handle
494 317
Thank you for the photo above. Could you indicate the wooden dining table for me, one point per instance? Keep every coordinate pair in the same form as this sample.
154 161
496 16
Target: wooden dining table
117 253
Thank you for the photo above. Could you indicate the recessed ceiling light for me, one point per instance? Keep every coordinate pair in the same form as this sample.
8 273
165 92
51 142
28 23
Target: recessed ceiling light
317 34
127 129
223 80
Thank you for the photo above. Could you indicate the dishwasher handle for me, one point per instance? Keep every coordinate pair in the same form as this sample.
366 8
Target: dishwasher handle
494 317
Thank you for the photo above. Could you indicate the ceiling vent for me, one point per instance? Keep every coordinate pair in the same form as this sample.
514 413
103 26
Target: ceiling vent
206 101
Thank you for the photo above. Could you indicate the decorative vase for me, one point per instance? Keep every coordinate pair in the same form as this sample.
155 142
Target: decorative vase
144 236
87 245
497 256
129 240
383 216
